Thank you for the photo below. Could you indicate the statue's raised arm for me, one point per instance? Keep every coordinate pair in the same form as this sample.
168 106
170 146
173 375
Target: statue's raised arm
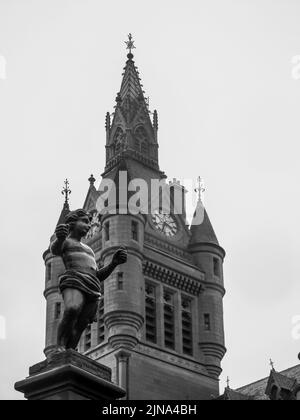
120 257
61 233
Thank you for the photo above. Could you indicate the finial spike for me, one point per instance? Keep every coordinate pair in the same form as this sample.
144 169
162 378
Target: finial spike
201 189
66 191
272 365
92 180
228 382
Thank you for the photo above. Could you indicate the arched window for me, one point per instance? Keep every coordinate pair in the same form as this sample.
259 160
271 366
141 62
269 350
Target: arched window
118 140
144 149
117 148
137 145
140 133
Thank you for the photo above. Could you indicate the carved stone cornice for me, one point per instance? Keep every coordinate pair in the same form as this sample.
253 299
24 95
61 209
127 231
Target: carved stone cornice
168 247
133 154
174 359
172 278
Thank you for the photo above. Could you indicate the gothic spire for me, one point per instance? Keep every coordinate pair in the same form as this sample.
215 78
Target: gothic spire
131 86
131 131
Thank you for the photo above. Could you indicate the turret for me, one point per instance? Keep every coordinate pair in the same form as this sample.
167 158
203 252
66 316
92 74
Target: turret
208 255
125 288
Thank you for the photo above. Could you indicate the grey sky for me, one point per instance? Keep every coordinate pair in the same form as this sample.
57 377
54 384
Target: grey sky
219 74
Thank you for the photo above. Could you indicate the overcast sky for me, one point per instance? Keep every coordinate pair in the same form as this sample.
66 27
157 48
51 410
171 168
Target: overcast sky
219 72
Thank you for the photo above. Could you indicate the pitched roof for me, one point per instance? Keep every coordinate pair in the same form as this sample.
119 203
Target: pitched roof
202 232
231 395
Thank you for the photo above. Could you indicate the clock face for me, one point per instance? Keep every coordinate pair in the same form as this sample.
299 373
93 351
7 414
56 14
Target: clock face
164 223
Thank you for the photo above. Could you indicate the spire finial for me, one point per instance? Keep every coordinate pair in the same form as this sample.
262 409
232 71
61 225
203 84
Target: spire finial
66 191
92 180
130 46
228 382
201 189
272 365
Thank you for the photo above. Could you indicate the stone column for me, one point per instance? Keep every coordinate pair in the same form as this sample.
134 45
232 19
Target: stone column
122 357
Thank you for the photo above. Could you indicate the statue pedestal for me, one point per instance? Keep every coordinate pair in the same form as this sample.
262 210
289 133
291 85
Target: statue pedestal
69 376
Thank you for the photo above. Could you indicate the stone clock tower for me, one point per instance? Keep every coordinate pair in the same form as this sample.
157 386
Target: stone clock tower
160 320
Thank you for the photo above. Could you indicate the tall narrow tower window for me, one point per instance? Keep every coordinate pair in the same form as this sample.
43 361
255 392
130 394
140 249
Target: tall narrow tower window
187 326
169 320
57 311
217 267
120 282
88 338
135 231
101 332
106 232
150 312
207 326
48 271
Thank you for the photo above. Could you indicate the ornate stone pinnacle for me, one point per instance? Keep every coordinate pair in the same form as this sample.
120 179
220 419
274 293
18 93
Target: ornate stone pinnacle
66 191
107 121
155 119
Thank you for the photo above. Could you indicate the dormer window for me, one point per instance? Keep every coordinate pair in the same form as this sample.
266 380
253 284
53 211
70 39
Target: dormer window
274 393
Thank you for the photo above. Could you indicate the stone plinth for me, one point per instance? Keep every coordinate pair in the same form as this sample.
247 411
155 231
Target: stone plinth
69 376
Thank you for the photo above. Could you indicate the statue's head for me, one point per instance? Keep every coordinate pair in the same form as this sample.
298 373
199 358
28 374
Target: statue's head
80 220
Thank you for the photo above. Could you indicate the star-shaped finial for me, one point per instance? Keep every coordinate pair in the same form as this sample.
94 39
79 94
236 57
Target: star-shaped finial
130 43
66 191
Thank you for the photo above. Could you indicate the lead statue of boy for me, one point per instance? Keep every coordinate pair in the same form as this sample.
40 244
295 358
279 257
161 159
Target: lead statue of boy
80 285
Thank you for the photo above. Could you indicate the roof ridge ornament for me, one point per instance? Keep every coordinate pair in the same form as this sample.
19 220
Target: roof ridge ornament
130 46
